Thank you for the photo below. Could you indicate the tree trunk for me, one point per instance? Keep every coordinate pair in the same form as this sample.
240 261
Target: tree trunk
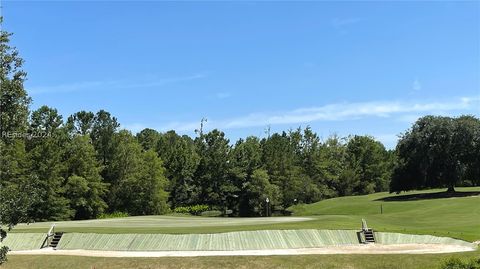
451 189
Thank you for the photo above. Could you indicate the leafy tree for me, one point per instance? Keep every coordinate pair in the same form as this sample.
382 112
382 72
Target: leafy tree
16 194
139 185
15 201
279 160
14 162
436 152
46 154
466 140
244 159
148 139
84 185
213 185
331 167
181 161
103 129
45 119
14 100
319 181
124 167
257 190
247 155
150 197
81 123
369 160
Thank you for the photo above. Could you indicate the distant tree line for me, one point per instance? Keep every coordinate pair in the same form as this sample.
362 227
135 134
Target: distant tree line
85 165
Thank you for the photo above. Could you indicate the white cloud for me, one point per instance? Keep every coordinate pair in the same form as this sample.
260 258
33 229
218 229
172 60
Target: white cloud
336 112
110 84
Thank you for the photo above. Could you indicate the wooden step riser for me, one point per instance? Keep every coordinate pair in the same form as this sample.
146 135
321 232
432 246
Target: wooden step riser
369 236
55 240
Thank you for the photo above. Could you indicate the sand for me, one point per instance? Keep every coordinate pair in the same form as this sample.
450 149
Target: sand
346 249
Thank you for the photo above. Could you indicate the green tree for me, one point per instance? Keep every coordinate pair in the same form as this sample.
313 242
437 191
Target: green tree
16 193
370 162
84 187
148 139
436 152
46 120
279 160
257 189
139 185
244 159
466 145
313 156
14 162
214 187
150 196
103 129
15 201
81 123
14 100
181 161
331 167
46 153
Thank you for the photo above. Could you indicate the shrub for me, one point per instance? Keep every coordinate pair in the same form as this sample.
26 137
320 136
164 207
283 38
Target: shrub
456 263
182 210
113 215
198 209
194 209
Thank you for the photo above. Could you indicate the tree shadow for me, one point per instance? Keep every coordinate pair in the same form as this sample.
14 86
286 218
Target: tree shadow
427 196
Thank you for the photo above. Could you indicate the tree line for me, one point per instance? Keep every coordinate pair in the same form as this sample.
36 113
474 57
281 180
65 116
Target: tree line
87 165
84 165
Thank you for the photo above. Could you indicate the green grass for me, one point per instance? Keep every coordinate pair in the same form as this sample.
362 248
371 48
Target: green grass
453 217
391 261
456 217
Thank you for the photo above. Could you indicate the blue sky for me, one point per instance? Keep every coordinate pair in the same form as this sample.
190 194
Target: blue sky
340 67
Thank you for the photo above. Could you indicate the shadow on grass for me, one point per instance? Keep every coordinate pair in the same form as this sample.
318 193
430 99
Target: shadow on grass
426 196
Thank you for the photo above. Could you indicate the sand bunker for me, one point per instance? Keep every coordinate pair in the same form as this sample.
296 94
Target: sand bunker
350 249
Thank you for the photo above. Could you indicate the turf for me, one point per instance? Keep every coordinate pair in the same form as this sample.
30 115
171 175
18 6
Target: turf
413 213
391 261
430 212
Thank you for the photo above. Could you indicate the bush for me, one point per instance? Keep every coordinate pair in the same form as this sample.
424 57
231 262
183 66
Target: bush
456 263
113 215
194 209
211 213
182 210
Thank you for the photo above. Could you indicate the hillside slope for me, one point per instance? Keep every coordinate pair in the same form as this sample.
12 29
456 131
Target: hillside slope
428 212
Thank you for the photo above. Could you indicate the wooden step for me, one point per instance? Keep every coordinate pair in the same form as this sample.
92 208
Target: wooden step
369 236
56 239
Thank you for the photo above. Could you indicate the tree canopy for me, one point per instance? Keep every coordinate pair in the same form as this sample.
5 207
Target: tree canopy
438 152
